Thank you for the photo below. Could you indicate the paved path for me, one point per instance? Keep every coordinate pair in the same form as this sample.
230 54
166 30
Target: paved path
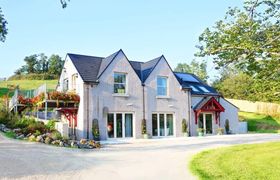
140 159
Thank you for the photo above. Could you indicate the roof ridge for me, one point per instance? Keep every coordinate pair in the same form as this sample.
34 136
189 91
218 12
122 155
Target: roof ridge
85 55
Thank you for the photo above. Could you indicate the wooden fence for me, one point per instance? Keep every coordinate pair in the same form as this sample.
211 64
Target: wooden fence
257 107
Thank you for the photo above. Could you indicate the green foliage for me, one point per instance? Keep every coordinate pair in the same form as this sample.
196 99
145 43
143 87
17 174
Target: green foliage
95 129
227 126
184 126
37 133
39 64
144 126
195 67
51 124
10 134
3 27
254 161
55 135
249 41
260 123
33 127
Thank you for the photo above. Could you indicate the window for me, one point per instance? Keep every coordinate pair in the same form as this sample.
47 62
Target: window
65 85
74 81
162 124
120 125
119 83
162 86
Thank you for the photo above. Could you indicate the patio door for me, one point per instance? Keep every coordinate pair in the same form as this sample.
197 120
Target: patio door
205 121
163 124
120 125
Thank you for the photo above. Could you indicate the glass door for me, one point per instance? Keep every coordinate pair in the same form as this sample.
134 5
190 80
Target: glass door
162 124
128 125
119 125
208 123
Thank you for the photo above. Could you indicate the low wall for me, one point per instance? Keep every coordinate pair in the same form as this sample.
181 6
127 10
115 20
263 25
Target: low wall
257 107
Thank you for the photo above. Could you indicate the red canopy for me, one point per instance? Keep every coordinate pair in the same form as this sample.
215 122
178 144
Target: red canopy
209 104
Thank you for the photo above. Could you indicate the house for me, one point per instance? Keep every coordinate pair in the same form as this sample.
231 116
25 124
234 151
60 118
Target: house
117 93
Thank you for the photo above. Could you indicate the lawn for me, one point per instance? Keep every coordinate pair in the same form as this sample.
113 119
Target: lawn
26 85
260 123
255 161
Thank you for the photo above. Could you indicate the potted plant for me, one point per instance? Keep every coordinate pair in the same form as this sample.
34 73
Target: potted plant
184 128
95 130
227 126
220 131
200 131
144 129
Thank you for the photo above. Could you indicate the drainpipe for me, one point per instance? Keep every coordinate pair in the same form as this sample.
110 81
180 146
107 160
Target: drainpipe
87 110
143 89
189 122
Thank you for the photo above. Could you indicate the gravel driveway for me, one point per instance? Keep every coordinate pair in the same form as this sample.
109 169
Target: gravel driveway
138 159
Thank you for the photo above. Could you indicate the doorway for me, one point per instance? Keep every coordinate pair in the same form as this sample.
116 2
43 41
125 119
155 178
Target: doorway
205 122
120 125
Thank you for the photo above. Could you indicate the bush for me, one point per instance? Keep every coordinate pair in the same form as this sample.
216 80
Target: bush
55 135
227 126
184 126
24 122
31 128
143 126
51 125
4 117
10 134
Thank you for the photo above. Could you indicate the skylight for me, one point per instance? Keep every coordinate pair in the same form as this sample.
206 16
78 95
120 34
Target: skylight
194 88
203 89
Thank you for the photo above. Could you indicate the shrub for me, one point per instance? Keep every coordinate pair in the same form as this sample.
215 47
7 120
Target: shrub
55 135
95 129
51 125
227 126
184 126
48 140
24 122
143 126
4 116
10 134
37 133
31 128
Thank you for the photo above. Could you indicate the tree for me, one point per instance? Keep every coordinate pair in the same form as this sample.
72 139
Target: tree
194 67
31 61
248 39
3 27
55 64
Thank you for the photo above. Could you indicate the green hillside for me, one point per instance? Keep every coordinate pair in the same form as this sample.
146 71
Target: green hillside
26 85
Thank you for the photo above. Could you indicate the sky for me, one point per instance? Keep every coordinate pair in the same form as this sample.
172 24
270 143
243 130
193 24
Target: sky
142 29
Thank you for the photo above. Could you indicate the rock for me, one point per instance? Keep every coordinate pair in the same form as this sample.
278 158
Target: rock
2 127
28 135
91 142
32 138
6 129
61 144
74 144
21 136
97 145
48 140
83 141
56 142
39 138
18 130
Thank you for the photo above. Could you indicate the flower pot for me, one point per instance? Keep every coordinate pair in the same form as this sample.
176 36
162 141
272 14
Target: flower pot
145 136
200 133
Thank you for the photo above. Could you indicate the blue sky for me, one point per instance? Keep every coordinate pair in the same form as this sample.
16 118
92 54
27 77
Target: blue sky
144 29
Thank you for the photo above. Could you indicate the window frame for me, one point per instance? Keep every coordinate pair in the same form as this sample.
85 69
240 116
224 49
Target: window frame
166 88
117 83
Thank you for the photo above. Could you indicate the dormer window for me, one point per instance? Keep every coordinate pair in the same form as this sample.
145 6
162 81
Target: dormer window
161 86
120 83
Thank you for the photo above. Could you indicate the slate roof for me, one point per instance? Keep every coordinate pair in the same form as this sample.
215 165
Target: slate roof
91 68
87 66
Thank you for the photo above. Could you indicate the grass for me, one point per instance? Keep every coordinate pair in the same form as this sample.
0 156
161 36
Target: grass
10 134
255 161
26 85
260 123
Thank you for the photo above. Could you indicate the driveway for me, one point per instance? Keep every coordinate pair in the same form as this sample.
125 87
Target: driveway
138 159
